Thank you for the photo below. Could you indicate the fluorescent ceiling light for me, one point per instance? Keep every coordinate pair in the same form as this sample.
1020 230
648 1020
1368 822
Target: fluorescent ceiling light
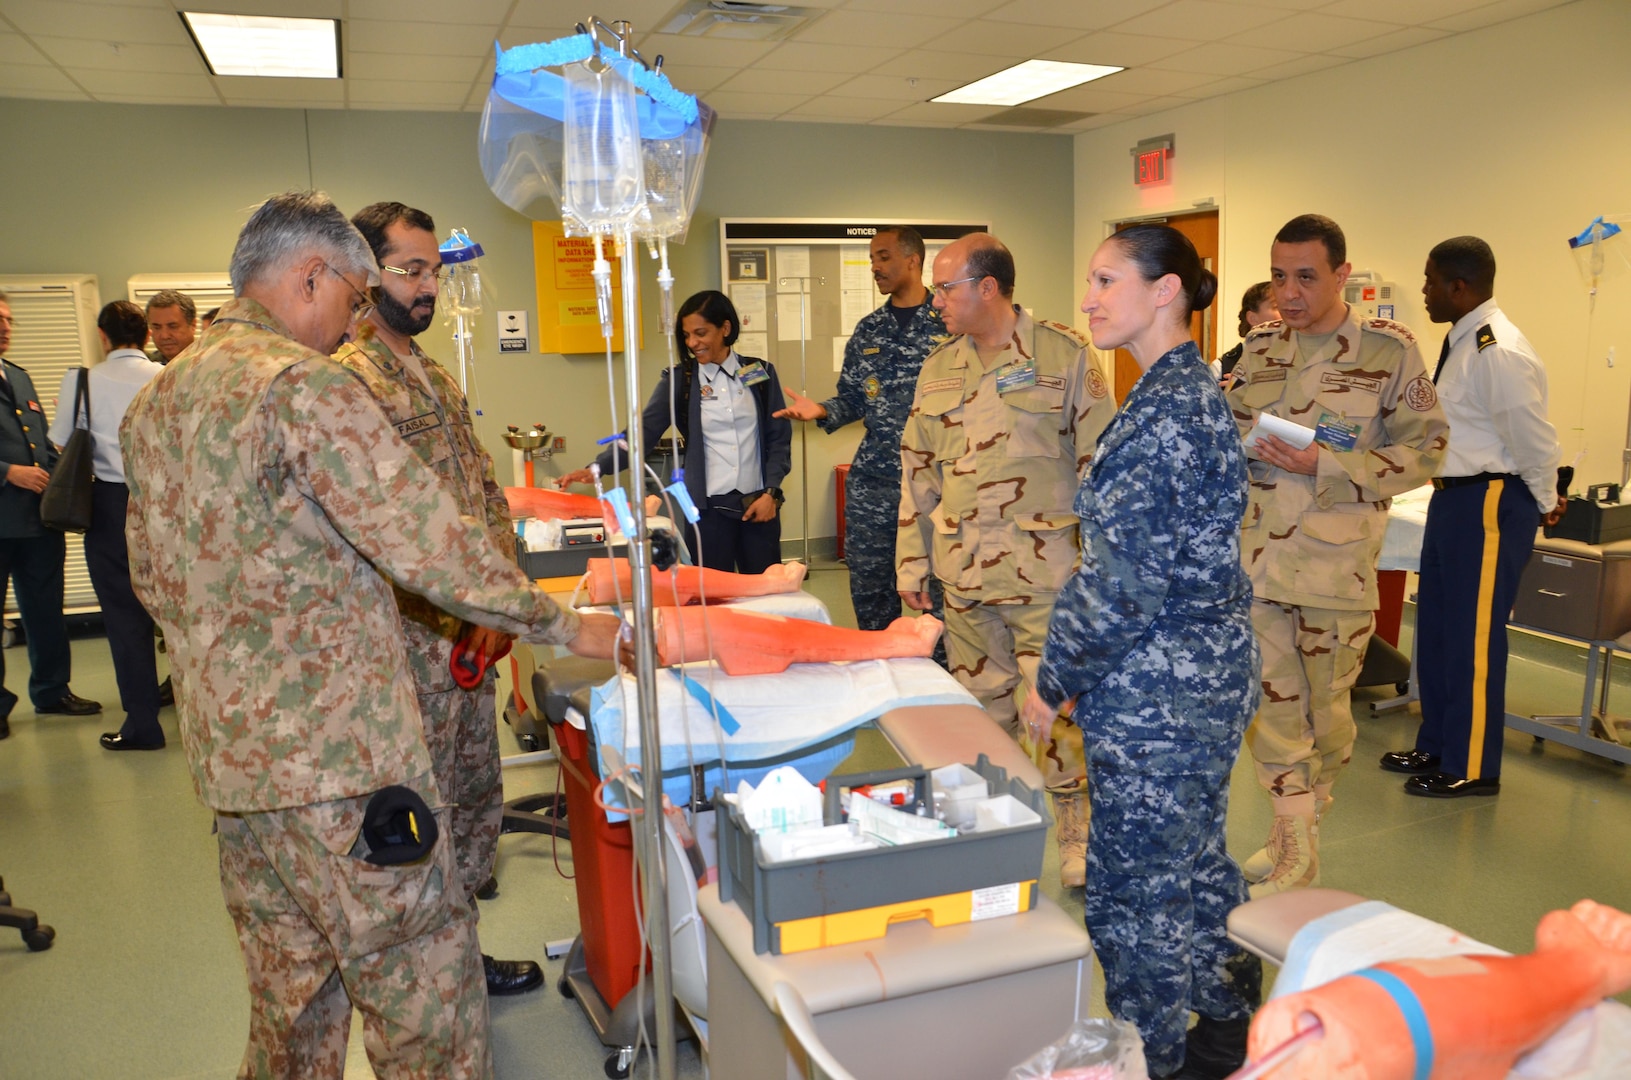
1026 82
266 45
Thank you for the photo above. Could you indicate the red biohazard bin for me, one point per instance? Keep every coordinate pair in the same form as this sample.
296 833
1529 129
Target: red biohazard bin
603 868
842 472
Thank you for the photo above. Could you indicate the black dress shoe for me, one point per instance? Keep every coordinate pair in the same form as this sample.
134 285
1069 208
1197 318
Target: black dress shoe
1442 785
167 692
1410 761
511 976
112 740
71 705
488 890
1214 1049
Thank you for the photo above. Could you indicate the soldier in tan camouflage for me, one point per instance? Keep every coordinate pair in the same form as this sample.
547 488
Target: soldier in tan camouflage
272 507
1315 520
1003 423
431 414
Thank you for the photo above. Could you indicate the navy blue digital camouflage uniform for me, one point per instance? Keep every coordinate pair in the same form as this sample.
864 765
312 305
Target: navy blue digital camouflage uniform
881 364
1153 638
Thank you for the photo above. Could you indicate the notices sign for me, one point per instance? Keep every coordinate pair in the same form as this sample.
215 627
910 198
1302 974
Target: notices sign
568 314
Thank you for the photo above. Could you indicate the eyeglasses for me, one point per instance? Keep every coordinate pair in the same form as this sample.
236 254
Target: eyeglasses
363 306
416 274
944 287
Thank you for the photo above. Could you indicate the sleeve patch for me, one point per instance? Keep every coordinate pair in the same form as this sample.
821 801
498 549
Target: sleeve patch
1486 337
1096 384
1420 395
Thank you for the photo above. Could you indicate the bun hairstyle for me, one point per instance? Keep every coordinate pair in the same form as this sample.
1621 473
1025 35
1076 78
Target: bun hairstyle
1255 297
1159 250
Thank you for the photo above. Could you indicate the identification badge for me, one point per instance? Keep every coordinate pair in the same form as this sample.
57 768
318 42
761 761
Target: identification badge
1335 432
752 374
707 392
1020 375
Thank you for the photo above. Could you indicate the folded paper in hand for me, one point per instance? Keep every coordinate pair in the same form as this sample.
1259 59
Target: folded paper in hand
1286 431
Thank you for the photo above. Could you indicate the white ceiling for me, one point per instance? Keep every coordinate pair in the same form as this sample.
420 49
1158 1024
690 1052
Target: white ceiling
857 61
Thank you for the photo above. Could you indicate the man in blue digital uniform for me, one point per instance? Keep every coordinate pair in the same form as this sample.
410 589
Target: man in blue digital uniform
31 555
881 364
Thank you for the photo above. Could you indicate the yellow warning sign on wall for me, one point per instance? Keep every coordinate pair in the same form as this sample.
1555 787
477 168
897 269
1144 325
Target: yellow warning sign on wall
568 317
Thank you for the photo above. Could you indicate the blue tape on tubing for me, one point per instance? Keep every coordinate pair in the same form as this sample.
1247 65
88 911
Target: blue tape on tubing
1415 1019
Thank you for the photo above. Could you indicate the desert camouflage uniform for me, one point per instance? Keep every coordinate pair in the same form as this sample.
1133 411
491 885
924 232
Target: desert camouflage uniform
1152 638
986 489
271 505
461 728
881 363
1310 542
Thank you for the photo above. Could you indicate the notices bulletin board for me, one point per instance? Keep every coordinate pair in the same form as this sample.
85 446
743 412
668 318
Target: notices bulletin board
568 317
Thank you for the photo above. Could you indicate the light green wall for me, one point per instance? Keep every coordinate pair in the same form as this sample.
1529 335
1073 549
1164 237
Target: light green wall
118 190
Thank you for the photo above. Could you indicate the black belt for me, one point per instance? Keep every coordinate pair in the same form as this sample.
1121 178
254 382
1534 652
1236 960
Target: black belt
1442 482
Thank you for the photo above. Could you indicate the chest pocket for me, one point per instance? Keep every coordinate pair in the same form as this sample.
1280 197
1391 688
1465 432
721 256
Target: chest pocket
1354 404
944 408
1259 396
1036 418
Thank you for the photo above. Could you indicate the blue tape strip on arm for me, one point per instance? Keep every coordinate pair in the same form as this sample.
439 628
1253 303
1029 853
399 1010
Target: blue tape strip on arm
728 723
1415 1019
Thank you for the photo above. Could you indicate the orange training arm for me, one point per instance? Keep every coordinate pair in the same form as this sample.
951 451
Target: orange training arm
754 643
611 580
548 505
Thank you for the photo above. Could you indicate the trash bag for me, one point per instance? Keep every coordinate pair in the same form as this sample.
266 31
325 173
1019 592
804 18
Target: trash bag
1091 1050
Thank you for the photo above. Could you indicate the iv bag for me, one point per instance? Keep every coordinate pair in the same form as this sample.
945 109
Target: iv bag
604 179
523 134
673 171
461 285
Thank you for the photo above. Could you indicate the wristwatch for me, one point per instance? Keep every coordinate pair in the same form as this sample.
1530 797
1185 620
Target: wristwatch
776 493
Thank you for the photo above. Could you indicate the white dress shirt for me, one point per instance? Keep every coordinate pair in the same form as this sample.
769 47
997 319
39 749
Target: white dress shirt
730 429
1493 388
112 385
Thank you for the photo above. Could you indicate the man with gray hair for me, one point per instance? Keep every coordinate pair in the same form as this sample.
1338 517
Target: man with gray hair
272 507
171 318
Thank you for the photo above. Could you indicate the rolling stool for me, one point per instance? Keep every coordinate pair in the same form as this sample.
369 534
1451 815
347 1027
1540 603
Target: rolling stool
36 936
553 685
1265 927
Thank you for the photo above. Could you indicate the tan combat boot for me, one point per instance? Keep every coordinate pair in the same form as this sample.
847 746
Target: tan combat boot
1293 843
1261 863
1071 813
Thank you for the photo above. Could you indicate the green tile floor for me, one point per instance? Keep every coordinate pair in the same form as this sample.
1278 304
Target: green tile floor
145 980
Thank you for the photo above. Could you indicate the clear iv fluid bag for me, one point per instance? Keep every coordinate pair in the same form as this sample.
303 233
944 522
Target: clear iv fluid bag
673 172
604 179
523 143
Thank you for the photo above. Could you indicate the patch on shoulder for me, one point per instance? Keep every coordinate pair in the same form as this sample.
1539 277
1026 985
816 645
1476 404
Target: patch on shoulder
1419 394
1096 386
1396 330
1486 337
1265 329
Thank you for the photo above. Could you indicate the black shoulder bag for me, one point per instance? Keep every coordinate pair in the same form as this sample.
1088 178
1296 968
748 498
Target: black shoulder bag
65 503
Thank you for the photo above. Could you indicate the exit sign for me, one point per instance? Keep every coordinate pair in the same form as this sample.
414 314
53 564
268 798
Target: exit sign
1151 168
1150 158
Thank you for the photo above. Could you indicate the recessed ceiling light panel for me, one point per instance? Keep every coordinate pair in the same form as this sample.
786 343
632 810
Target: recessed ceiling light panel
266 45
1026 82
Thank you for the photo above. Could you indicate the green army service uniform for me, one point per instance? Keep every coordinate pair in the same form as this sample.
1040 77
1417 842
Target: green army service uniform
988 479
461 728
272 504
1310 543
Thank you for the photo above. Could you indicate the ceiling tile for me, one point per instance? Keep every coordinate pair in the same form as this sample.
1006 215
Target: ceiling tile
891 88
1408 38
103 82
386 106
1410 12
1148 80
875 28
75 53
1089 98
96 22
280 93
646 15
418 39
956 9
374 65
412 93
958 67
1097 120
294 9
34 81
1081 14
1314 32
694 79
738 104
1198 20
1498 12
515 36
997 39
941 115
761 81
1227 59
15 49
1113 47
712 52
1302 66
853 109
487 12
1159 104
809 56
1226 86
